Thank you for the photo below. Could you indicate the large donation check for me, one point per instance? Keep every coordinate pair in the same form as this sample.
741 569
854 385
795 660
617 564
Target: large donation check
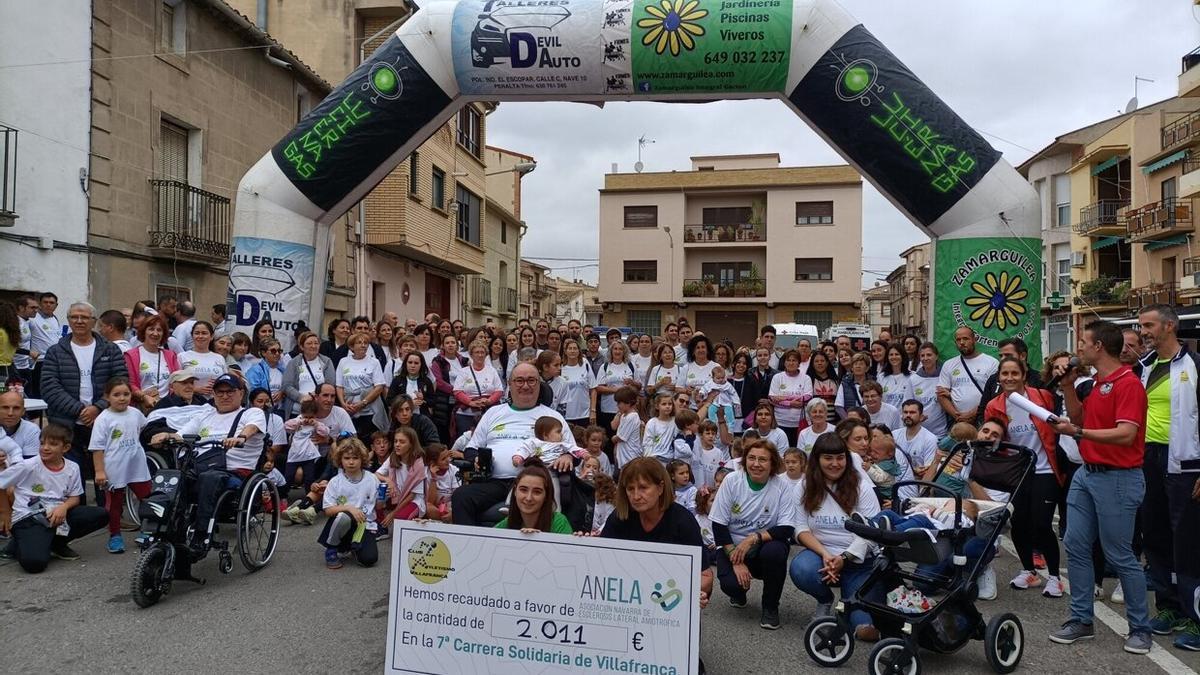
474 600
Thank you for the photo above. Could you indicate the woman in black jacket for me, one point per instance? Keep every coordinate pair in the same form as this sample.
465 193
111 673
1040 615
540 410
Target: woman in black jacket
402 415
414 380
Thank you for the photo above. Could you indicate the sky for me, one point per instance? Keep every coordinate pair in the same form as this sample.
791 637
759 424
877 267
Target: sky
1021 72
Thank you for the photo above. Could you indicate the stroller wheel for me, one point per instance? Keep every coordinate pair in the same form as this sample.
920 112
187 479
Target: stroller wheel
1004 642
893 656
827 642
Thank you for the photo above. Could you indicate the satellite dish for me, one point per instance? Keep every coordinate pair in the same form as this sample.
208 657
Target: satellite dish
1132 105
638 166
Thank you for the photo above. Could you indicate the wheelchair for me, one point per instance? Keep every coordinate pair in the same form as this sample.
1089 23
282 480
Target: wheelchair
246 518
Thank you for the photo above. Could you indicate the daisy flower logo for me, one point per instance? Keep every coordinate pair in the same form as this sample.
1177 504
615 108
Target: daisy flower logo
671 24
996 301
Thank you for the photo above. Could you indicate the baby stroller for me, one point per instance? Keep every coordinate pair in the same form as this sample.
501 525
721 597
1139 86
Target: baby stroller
948 625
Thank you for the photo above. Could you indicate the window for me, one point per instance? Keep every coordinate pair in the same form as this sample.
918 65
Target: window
180 293
1062 200
1058 335
725 273
885 310
814 269
1169 189
641 270
504 275
173 152
468 215
821 320
172 28
437 188
726 215
503 232
646 321
470 133
814 213
1062 269
641 216
414 173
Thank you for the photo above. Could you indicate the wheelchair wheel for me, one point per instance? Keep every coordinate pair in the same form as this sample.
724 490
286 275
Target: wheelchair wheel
893 656
1004 642
154 462
827 642
258 522
148 585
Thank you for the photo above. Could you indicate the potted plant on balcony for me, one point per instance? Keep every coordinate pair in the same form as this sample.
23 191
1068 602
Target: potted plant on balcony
1120 292
758 208
727 233
692 289
689 235
1099 289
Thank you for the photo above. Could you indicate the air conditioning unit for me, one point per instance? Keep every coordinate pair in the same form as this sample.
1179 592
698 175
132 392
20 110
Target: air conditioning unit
1078 258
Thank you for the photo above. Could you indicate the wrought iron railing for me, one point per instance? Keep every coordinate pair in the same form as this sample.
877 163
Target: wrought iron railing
726 232
1181 131
508 300
1100 215
1154 294
190 220
714 288
1161 216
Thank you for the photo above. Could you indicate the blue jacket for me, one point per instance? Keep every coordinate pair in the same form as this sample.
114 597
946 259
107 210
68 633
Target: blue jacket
60 378
259 375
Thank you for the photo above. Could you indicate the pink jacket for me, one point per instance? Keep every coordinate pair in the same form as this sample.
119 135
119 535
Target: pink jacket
134 365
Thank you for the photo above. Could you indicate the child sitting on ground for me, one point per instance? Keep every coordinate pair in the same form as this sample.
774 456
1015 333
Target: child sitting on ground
794 462
119 458
444 477
681 477
350 500
405 476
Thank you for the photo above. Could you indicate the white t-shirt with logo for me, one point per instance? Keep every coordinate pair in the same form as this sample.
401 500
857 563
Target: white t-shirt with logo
579 380
477 383
629 432
84 357
402 472
696 376
357 377
745 510
612 375
21 361
808 438
154 373
658 437
963 392
116 435
341 491
828 522
504 429
887 414
214 426
39 489
921 448
338 420
896 389
641 366
705 464
310 377
207 366
44 332
786 385
1022 432
666 379
925 391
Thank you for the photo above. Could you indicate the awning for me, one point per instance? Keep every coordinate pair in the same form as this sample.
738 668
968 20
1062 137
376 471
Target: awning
1167 243
1165 162
1105 242
1111 161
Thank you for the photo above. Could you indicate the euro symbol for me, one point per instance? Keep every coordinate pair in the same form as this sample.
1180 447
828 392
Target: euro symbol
637 641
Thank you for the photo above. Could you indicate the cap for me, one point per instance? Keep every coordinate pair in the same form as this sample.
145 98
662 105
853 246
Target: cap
181 375
231 380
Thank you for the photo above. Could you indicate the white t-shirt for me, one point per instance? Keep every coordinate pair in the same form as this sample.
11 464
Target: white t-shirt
28 436
705 464
658 437
887 414
641 366
680 353
338 420
342 491
544 450
476 383
629 433
963 393
37 488
1022 432
357 377
276 432
808 438
274 379
922 448
775 435
695 376
726 394
44 332
116 435
503 429
21 361
402 472
214 426
896 389
84 357
706 531
925 391
310 377
790 386
445 483
828 522
612 375
207 366
181 337
10 450
600 514
154 373
577 398
428 354
666 379
745 511
303 448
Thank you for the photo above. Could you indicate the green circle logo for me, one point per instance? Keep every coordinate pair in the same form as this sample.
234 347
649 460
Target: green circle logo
384 80
856 79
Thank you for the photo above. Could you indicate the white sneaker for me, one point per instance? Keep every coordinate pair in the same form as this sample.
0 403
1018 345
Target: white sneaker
1054 588
987 584
1025 579
1118 594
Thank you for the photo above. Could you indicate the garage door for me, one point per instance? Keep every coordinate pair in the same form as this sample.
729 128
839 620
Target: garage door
740 328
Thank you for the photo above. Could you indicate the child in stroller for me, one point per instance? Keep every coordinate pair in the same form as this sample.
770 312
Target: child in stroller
950 541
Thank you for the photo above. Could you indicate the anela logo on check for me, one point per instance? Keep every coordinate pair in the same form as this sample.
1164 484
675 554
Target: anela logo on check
629 592
669 600
429 560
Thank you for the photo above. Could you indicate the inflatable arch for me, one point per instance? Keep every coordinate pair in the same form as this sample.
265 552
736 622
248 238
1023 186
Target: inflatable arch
984 217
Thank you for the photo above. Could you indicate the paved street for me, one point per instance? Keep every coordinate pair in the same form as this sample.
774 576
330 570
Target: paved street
296 616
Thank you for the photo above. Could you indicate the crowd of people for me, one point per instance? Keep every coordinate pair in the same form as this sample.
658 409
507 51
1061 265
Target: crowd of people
757 455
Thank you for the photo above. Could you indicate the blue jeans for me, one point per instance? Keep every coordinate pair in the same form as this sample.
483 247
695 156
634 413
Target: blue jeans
1104 504
806 574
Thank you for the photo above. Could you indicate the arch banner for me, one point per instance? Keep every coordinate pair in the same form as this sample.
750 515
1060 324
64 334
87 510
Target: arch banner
810 54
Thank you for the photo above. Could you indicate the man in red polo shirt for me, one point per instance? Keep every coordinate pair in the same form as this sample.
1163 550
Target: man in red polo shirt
1105 493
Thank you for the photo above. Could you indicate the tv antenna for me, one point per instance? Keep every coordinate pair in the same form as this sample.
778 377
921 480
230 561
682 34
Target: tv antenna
1133 102
642 142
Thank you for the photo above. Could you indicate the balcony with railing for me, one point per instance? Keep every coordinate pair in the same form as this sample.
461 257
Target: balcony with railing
724 233
1154 294
190 222
8 176
1182 132
480 292
508 300
537 290
1100 219
1189 74
1159 220
1102 293
709 287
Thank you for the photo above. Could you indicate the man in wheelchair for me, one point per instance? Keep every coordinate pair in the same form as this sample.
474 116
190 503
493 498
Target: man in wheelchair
239 429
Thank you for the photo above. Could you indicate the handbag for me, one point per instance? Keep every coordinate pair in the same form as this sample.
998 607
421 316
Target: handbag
213 459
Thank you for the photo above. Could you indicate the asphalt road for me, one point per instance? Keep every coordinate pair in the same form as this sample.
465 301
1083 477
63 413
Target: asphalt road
296 616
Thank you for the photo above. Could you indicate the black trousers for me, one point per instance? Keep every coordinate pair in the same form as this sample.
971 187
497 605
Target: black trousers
1158 537
469 502
1032 521
338 533
769 565
81 438
33 540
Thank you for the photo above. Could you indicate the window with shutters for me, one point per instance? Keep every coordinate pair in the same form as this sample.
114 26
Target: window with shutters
470 130
172 27
814 213
173 152
814 269
468 216
641 270
414 174
641 216
726 215
437 188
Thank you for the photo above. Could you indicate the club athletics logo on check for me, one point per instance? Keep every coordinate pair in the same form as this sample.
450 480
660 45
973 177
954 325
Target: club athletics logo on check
429 560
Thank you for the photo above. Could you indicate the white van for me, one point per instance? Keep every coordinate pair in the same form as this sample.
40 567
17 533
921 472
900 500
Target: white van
859 334
788 335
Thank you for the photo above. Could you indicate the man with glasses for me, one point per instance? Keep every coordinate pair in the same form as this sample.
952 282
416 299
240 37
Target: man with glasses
73 374
503 429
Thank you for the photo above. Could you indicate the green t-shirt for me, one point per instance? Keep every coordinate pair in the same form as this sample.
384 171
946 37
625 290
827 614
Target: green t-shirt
1158 406
558 525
